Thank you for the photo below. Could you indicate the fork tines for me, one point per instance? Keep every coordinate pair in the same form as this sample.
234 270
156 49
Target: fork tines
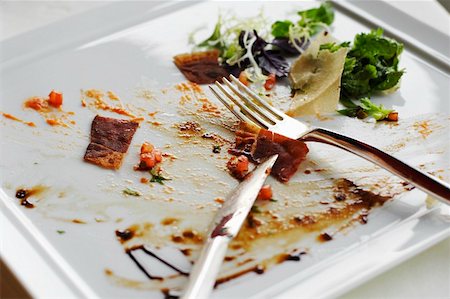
245 104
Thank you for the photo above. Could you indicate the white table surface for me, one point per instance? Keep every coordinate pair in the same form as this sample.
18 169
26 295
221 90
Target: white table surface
426 275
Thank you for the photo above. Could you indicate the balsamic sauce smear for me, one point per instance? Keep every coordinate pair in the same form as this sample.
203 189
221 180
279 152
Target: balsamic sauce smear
23 195
345 189
129 252
152 254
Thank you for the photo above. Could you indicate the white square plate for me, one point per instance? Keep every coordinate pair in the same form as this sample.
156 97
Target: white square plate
132 51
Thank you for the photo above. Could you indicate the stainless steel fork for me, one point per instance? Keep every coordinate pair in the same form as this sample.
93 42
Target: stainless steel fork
249 107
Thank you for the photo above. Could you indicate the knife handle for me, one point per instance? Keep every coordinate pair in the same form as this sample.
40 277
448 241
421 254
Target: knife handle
203 275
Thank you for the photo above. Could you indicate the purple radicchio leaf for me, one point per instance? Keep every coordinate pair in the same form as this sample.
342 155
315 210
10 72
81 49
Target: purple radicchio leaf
272 62
257 46
235 69
286 46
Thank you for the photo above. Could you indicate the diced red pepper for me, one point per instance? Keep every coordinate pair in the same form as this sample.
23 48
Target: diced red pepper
238 166
36 103
270 82
55 99
393 116
243 78
149 156
265 193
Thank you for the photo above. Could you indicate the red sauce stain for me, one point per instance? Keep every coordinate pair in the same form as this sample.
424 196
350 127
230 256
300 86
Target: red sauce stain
12 117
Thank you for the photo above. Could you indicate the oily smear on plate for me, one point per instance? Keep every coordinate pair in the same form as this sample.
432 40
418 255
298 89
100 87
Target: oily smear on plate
331 193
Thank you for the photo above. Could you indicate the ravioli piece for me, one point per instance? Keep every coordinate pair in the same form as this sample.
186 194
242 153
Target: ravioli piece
315 78
110 139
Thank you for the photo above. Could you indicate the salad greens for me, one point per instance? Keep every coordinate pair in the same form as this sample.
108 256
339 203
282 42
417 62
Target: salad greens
247 46
333 47
294 36
364 109
157 177
370 66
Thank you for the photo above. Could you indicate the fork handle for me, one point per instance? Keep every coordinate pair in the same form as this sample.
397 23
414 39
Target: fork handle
431 185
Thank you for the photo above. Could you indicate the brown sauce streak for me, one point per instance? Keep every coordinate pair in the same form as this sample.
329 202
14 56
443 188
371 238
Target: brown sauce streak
168 294
229 258
355 204
258 269
354 200
130 251
294 255
169 221
78 221
188 237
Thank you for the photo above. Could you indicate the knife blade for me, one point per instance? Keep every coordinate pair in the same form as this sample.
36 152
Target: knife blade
225 227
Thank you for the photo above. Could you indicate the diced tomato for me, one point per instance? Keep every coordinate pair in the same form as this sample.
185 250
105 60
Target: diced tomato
393 116
147 148
149 156
238 166
265 193
36 103
55 99
270 82
243 78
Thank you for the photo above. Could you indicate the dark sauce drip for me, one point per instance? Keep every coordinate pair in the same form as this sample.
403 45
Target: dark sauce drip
258 269
186 251
188 237
366 198
168 294
229 258
124 235
143 248
24 194
363 216
340 196
138 264
407 186
324 237
294 255
152 254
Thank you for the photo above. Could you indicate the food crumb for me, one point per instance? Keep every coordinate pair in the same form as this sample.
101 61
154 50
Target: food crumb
219 200
112 95
423 128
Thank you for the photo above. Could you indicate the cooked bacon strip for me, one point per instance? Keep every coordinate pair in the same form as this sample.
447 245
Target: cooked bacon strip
110 139
259 146
201 67
290 153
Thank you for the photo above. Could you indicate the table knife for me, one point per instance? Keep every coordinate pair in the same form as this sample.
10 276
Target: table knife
225 226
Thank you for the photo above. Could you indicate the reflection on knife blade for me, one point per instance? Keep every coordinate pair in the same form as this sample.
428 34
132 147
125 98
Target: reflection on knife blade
227 223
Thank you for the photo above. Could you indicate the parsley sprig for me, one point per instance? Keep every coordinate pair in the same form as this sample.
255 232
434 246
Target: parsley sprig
157 177
131 192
